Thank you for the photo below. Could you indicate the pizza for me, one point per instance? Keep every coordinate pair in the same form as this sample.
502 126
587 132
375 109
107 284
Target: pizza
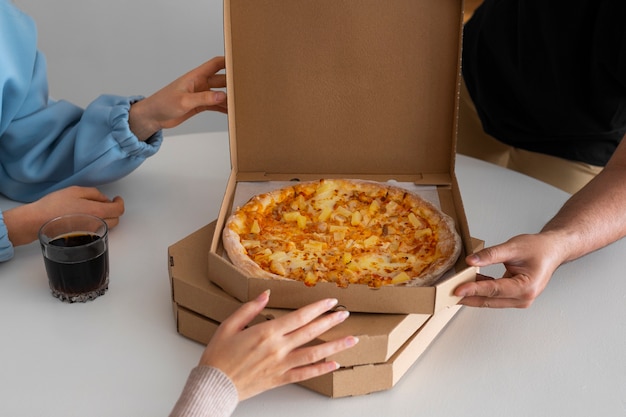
342 231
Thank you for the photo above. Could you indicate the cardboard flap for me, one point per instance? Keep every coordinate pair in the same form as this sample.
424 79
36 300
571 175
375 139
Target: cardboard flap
345 88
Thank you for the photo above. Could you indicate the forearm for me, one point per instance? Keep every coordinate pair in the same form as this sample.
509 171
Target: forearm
595 216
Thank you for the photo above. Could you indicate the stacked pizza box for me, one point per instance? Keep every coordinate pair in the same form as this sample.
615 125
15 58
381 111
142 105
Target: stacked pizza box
389 343
325 89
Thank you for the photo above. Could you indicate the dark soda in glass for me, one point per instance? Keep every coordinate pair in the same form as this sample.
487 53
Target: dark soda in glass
77 266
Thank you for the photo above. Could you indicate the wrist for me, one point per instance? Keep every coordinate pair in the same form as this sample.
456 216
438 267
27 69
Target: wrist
561 242
139 120
22 224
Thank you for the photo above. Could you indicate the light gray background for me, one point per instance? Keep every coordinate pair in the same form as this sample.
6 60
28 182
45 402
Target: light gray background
127 47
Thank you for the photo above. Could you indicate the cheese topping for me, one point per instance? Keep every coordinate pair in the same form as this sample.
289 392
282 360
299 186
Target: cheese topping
319 232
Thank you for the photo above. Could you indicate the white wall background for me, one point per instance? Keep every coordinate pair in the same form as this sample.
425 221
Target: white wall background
127 47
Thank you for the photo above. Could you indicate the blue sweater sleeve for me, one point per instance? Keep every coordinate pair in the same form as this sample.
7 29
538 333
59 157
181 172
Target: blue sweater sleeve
6 248
46 145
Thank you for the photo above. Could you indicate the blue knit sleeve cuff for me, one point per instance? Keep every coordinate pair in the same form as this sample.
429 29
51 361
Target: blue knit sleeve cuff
127 140
6 247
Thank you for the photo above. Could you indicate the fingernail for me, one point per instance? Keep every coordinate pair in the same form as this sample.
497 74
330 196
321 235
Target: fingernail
462 291
219 96
352 340
264 294
472 259
331 302
343 314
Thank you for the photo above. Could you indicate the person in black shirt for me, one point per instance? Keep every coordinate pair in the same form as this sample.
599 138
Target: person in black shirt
548 82
548 78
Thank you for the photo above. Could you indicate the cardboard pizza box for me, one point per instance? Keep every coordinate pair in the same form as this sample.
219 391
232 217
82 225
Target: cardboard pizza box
352 89
381 335
366 379
349 380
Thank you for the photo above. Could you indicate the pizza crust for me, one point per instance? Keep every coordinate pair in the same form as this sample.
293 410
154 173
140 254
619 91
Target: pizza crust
448 244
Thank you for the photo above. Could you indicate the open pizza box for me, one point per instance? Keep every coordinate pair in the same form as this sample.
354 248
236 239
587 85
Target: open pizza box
352 89
388 343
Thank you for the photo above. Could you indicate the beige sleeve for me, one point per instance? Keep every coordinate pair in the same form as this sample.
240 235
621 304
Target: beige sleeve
207 392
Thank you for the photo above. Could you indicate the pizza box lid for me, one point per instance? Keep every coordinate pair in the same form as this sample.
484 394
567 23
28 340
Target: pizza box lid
355 89
352 89
381 335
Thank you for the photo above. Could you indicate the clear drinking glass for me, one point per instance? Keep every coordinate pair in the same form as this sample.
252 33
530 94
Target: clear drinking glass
75 249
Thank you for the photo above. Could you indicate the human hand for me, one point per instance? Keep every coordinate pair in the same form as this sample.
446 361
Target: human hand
270 354
530 261
23 222
185 97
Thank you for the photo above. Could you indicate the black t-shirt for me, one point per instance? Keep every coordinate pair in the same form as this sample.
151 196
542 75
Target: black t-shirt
550 75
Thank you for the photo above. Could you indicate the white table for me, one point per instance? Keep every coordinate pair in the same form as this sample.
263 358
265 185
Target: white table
120 355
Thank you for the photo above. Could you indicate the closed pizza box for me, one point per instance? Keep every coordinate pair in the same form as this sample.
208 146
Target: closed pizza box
349 380
365 379
194 296
359 89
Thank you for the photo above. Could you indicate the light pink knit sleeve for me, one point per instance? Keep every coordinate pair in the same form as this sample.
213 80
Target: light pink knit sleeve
207 393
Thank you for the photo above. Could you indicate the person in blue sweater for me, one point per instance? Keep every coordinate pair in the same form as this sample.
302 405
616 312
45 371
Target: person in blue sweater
53 153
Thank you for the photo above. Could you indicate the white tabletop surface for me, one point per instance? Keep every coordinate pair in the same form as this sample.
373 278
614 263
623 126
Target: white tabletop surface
120 355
